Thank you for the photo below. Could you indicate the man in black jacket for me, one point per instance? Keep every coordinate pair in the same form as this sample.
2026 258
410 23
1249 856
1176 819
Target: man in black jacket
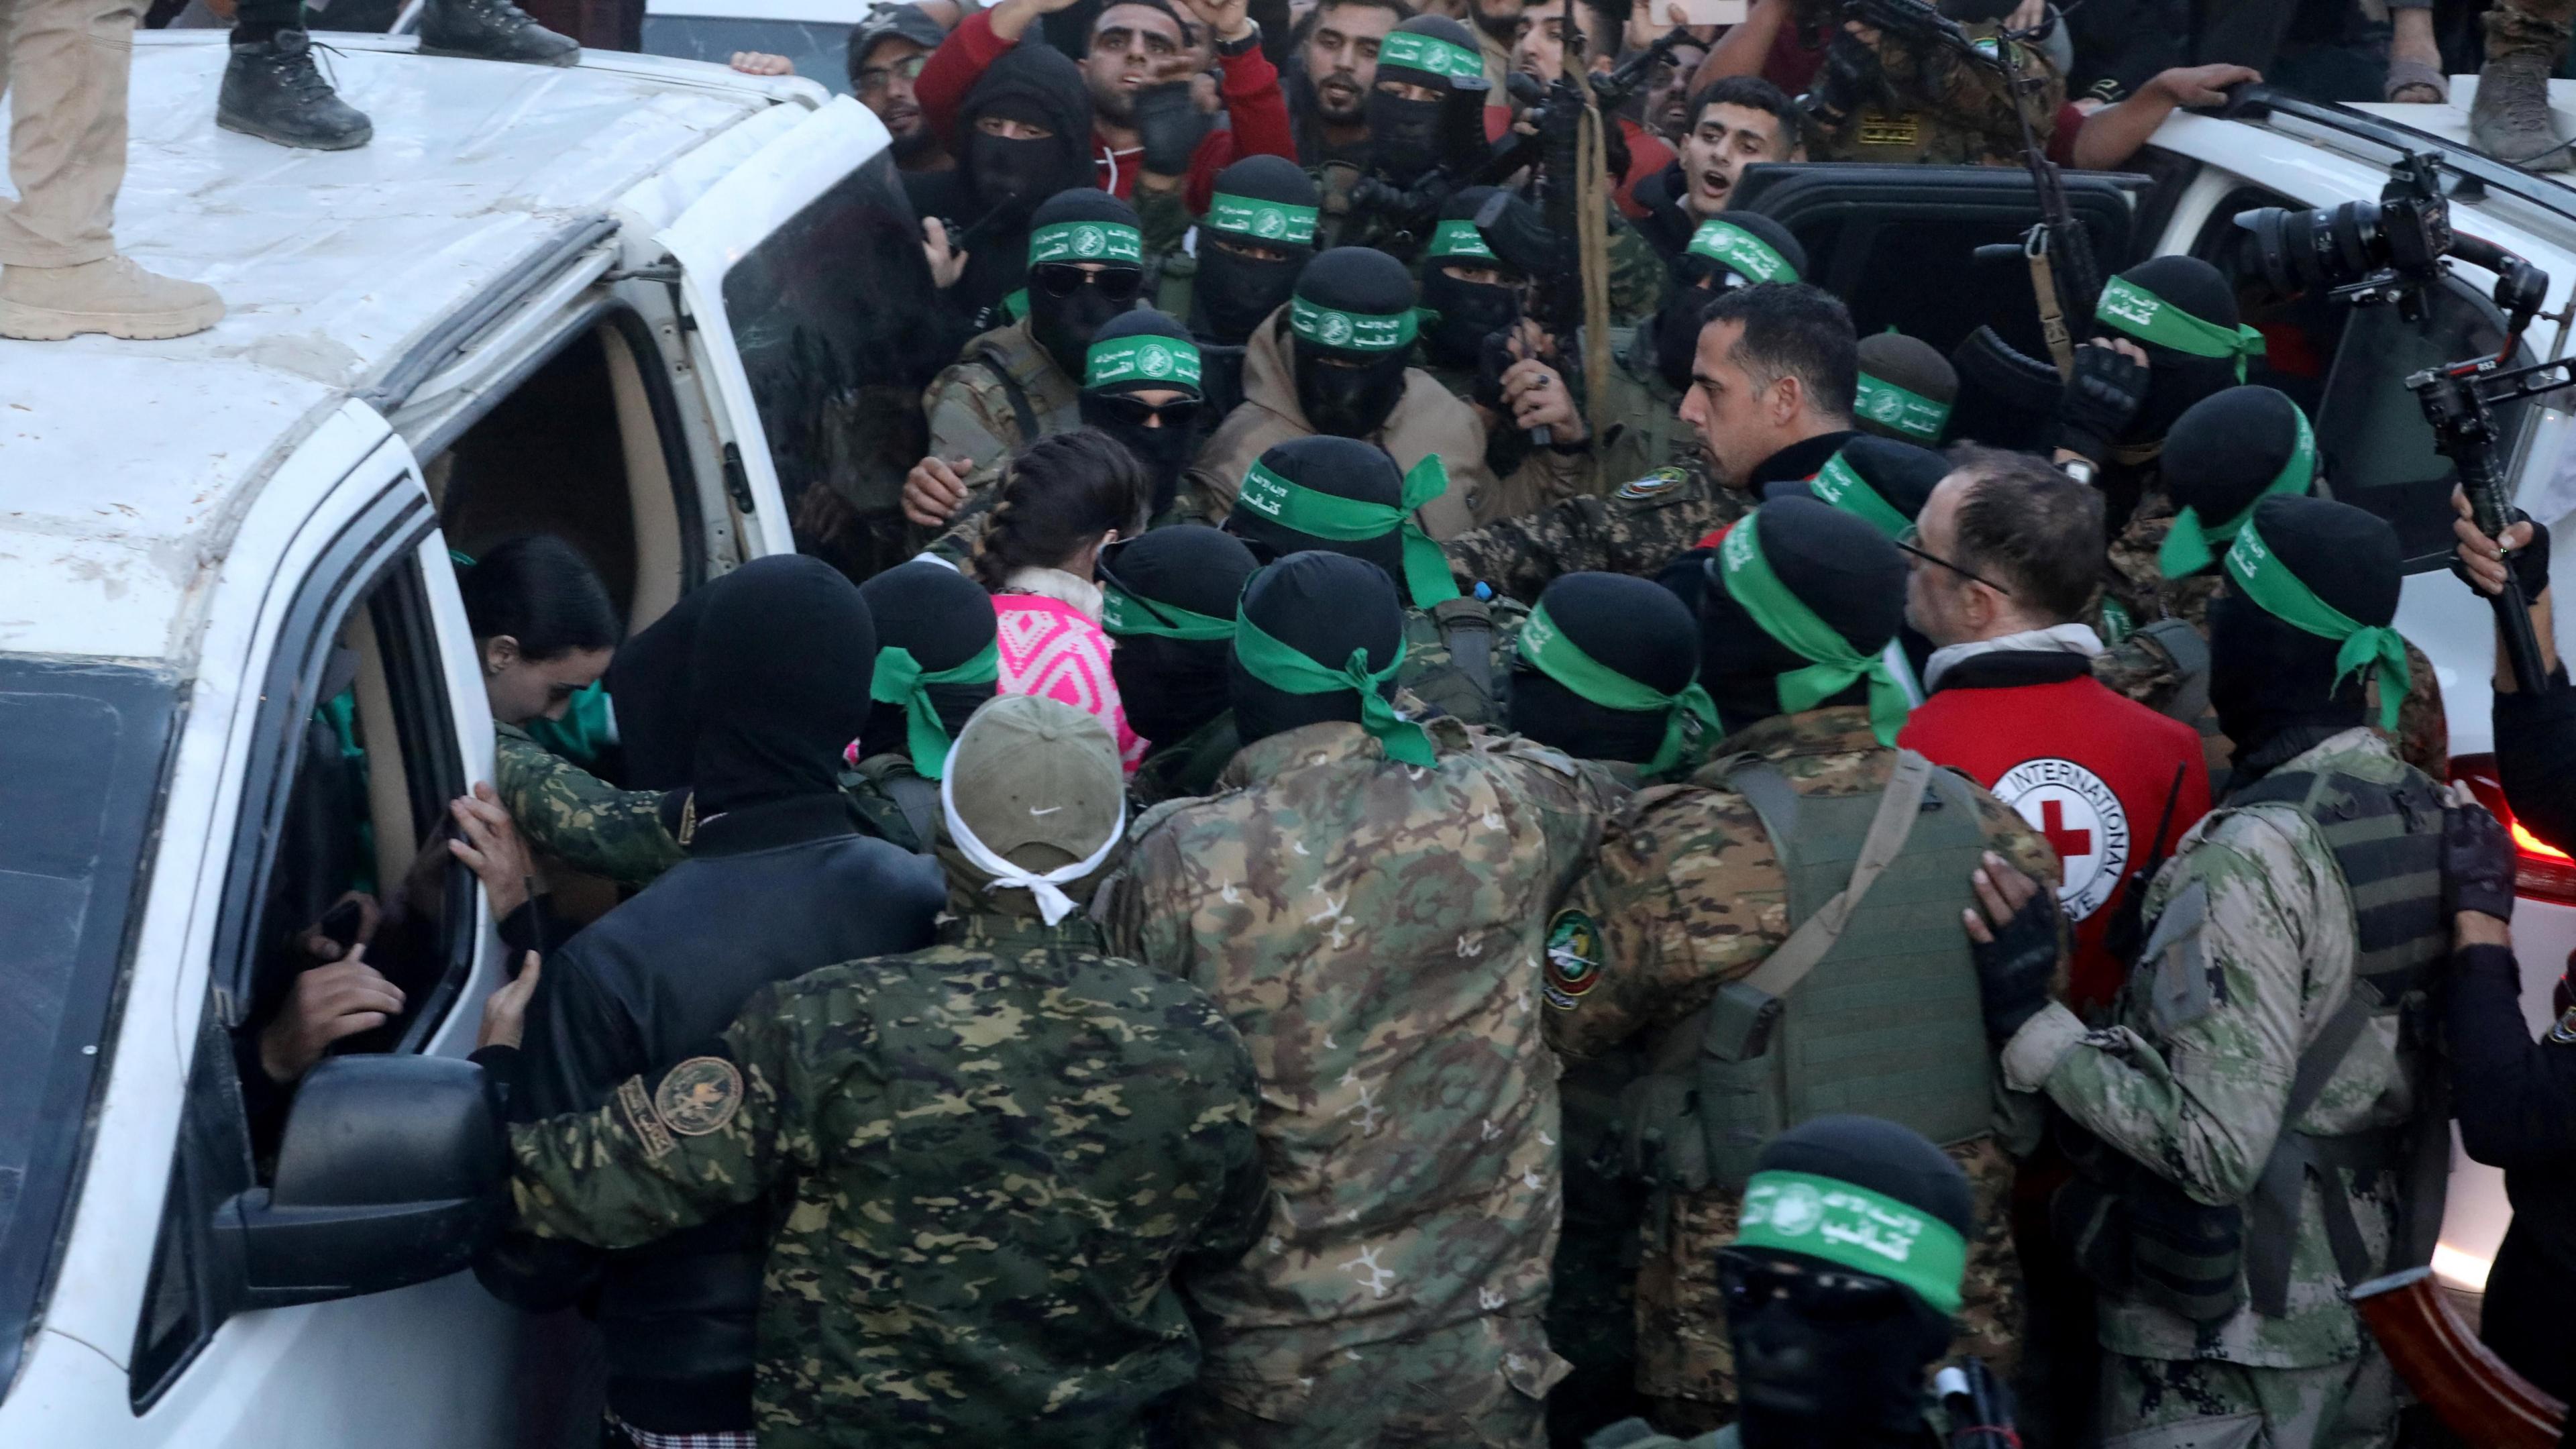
778 882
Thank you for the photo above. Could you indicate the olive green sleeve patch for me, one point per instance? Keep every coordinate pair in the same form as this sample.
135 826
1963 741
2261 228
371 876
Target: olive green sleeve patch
699 1096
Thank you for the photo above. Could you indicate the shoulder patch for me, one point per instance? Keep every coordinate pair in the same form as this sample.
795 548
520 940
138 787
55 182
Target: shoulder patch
699 1095
1660 481
637 1106
1573 964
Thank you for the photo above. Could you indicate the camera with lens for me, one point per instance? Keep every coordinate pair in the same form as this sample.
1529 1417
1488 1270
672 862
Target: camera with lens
2363 252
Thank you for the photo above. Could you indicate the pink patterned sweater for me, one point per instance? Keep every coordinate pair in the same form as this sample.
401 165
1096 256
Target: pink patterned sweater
1056 649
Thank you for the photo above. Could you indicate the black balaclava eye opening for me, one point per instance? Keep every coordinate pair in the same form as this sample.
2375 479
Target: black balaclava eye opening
1351 401
1322 605
1164 451
1235 292
1843 569
2176 380
1173 686
2272 684
945 619
1343 468
2225 450
1008 179
781 664
1628 624
1064 326
1405 135
1464 313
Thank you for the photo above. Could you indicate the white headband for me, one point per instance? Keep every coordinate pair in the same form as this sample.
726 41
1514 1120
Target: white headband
1053 904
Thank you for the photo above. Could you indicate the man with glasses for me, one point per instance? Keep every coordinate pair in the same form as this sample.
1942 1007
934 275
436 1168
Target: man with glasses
887 52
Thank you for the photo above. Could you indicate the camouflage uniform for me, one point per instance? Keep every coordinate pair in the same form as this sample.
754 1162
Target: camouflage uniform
974 413
893 802
1643 428
1473 692
1374 931
972 1249
1689 896
1641 526
2191 1081
1186 768
568 813
1944 110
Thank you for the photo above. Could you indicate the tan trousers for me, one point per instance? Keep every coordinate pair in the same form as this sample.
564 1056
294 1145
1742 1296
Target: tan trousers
64 64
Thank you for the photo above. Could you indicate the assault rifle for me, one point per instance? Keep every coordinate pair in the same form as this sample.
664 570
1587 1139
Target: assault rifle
2468 1387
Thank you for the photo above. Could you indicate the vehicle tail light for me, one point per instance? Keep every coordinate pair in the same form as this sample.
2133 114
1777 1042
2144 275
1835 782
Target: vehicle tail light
2541 871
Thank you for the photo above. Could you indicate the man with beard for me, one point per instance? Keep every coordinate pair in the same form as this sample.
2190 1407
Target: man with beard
1136 46
937 663
1497 24
1427 69
1337 71
1168 599
1334 361
1019 141
1634 154
1734 123
1668 91
887 52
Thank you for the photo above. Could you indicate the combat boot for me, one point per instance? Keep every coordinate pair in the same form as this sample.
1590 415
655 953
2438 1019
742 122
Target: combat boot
2510 119
492 30
273 90
110 295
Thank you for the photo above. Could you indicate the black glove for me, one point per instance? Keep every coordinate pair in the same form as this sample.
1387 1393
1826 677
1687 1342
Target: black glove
2477 862
2099 401
1169 125
1849 75
2013 970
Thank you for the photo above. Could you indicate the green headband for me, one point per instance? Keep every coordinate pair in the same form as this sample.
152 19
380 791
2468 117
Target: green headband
2150 318
2187 546
1142 357
1458 239
1686 714
1749 255
1911 413
1087 241
1429 54
1290 670
2266 580
1841 485
1353 331
1836 665
1293 505
1124 615
1847 1224
1279 221
900 679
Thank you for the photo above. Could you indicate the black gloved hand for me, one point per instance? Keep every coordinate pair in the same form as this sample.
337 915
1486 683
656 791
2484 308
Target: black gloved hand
2477 862
1849 75
2099 402
2531 561
2014 968
1169 126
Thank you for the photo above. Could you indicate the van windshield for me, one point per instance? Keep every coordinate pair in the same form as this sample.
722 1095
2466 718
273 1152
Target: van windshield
82 746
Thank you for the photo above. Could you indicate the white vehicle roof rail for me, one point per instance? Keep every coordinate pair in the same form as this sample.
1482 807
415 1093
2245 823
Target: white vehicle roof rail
453 334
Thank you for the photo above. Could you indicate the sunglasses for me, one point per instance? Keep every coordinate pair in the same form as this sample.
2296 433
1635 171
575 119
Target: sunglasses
1911 541
1751 1283
1180 412
1063 279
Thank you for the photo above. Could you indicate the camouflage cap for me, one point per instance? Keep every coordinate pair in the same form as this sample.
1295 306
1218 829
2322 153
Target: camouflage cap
1035 782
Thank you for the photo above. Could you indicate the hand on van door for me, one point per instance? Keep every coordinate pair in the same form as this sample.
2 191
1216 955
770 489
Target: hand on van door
351 921
945 266
933 489
756 62
325 1004
493 850
505 1011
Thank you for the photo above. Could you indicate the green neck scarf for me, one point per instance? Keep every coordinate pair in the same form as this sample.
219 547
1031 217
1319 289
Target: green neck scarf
1747 255
1295 506
1782 615
1868 1232
1687 715
2142 314
1124 615
2285 596
1291 671
1908 412
2189 545
1428 54
1841 485
1277 221
900 679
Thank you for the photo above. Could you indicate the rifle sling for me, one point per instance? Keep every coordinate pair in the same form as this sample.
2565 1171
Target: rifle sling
2274 1206
2052 317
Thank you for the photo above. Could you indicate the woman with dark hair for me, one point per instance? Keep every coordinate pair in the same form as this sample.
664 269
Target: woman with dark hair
1063 500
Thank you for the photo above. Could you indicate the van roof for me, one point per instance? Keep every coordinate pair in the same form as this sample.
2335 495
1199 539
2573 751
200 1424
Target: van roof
123 465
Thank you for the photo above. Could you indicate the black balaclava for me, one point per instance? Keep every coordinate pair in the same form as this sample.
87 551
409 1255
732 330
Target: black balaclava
1172 686
650 682
945 619
1006 180
1907 389
779 669
1803 1379
1840 567
1164 451
1628 624
1349 402
1463 314
1343 468
2224 452
1899 474
1064 325
1265 201
1697 278
2176 380
2273 684
1404 135
1323 605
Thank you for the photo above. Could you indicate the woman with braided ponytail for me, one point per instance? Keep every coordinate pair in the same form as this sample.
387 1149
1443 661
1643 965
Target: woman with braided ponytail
1063 500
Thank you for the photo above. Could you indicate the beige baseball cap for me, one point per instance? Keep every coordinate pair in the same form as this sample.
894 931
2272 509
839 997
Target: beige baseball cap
1037 781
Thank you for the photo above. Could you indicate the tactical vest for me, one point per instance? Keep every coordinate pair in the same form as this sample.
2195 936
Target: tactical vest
893 803
1886 1022
1649 433
1452 661
1018 370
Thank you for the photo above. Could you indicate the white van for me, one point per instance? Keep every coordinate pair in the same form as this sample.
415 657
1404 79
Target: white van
651 306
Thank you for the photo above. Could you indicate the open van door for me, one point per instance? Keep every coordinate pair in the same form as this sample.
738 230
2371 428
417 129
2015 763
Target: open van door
810 307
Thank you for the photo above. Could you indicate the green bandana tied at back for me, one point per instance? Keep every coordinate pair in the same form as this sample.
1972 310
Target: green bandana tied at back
1551 653
1428 54
2285 596
1784 616
1841 485
1458 239
1124 615
2189 544
1279 221
2149 318
1142 357
1747 255
1087 241
1293 505
1908 412
1353 331
1291 671
1849 1225
900 679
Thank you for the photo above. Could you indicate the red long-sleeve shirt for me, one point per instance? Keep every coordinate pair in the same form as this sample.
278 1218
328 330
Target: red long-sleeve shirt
1254 104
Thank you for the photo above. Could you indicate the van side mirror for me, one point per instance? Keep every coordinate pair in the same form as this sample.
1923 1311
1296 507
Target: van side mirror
391 1173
